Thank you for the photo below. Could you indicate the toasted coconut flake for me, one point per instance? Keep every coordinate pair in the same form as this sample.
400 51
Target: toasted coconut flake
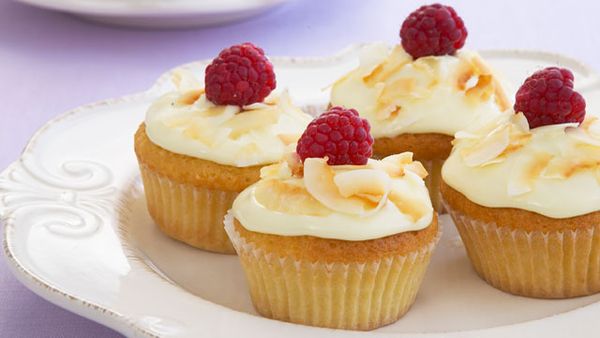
487 149
409 206
319 181
558 168
362 182
393 165
339 81
390 112
400 87
587 133
370 78
382 72
468 69
497 160
396 165
269 171
218 111
480 66
402 158
389 99
294 163
483 89
520 122
256 106
392 169
280 170
400 117
397 59
417 168
562 167
464 77
250 120
525 172
517 141
428 65
592 125
288 139
500 97
288 196
184 80
196 131
487 83
466 135
373 54
189 97
557 129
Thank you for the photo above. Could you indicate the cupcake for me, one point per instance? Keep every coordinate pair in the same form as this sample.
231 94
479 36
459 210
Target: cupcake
524 192
419 93
200 146
331 238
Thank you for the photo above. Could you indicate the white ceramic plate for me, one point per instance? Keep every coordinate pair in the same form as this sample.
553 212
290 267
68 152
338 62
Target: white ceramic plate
77 233
160 13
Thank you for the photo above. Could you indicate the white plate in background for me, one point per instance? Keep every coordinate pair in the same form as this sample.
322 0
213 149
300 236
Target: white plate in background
160 13
77 232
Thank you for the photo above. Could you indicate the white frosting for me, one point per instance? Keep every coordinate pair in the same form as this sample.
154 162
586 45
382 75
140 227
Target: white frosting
185 122
552 170
436 94
351 203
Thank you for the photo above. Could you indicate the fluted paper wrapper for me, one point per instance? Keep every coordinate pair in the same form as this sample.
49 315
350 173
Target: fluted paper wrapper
188 213
433 182
356 296
554 264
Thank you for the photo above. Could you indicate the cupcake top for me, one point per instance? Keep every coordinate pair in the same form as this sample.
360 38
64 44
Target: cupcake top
545 158
333 193
233 120
186 122
425 84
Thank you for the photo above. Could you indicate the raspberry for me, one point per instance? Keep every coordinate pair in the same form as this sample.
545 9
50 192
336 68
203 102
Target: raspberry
547 97
433 30
240 75
338 134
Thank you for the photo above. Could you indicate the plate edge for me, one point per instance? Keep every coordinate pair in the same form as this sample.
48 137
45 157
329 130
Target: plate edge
73 303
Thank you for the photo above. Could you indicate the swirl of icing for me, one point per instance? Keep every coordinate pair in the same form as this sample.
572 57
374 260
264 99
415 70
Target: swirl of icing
552 170
185 122
346 202
434 94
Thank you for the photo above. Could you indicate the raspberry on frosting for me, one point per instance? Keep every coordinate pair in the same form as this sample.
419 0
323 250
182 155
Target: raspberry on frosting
339 134
547 97
433 30
240 75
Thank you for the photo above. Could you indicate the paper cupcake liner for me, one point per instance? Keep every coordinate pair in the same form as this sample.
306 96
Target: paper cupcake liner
188 213
356 296
433 182
554 264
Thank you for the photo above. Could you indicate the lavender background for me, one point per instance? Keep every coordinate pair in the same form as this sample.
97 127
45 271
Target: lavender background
50 63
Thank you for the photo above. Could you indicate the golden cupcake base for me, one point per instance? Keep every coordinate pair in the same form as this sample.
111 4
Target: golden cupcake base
188 197
190 214
433 182
540 259
343 295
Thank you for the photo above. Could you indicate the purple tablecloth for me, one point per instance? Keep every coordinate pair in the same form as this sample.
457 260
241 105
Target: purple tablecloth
51 62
